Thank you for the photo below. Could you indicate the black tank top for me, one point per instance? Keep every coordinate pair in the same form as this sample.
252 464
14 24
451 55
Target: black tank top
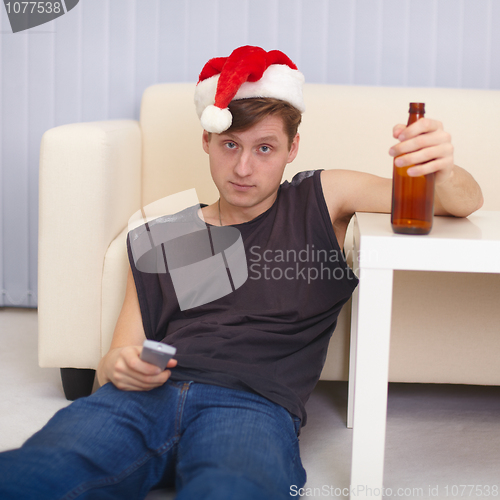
269 336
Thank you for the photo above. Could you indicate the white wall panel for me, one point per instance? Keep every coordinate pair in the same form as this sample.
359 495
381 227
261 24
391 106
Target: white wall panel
422 43
68 67
449 43
341 41
262 22
94 59
395 42
476 34
313 41
2 28
231 27
147 27
95 62
368 38
202 29
41 117
494 48
121 59
15 132
173 39
288 28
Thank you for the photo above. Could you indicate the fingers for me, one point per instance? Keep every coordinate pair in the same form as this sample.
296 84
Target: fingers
423 148
421 126
441 167
425 145
126 382
133 374
396 131
421 134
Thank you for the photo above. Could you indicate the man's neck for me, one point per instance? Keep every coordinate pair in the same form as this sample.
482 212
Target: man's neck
223 213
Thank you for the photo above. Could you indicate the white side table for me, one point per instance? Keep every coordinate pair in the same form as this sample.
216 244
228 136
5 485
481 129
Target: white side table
458 245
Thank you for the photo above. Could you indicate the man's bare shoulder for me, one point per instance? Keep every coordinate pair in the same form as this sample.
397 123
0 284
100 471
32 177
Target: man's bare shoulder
349 191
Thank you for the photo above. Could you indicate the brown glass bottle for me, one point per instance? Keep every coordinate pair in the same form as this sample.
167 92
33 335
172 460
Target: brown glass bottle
412 197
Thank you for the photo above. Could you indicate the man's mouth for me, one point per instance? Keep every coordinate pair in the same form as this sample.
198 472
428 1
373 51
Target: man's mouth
241 187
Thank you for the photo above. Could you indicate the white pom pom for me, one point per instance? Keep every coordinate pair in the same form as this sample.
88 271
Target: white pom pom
216 120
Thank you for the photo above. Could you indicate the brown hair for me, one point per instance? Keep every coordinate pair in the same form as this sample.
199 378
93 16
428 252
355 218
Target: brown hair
247 112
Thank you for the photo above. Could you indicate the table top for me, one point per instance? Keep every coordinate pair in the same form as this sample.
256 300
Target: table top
470 244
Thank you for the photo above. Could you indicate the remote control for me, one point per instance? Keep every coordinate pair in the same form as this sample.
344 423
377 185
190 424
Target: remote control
157 353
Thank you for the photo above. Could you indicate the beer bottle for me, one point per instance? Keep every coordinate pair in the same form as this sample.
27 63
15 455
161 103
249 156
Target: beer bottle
412 197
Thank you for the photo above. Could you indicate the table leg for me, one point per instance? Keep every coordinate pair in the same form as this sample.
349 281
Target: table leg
354 329
371 379
352 358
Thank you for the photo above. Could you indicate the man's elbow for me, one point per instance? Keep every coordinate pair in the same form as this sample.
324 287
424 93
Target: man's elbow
462 207
475 197
480 201
475 203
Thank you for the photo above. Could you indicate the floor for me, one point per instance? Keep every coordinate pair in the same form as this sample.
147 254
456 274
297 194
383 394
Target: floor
439 437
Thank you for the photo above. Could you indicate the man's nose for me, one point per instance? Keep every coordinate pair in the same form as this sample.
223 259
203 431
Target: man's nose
244 166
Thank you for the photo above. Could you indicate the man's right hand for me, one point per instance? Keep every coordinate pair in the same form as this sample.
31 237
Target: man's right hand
127 371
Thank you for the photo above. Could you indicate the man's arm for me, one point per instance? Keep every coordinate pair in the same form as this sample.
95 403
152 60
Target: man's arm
122 365
427 146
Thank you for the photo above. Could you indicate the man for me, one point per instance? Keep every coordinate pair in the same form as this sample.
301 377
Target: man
223 420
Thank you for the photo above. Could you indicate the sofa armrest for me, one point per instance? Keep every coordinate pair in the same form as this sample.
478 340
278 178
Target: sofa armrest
90 184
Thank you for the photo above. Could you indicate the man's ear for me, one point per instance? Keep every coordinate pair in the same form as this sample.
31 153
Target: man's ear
205 141
294 149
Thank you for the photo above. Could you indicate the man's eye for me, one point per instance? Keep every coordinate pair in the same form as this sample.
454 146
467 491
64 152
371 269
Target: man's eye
265 149
230 145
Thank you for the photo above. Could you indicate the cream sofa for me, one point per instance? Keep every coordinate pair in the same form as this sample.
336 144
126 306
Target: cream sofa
94 176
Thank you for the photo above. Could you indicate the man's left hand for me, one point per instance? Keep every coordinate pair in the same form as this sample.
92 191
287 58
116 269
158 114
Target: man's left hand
426 145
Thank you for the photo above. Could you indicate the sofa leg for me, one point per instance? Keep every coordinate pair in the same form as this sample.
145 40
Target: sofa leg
77 382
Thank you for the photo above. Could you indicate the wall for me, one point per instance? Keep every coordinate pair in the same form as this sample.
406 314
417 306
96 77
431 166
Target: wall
94 63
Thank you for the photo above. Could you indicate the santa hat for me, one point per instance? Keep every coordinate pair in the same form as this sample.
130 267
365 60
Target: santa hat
247 72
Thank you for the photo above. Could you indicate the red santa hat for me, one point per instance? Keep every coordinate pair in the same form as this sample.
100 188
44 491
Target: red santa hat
247 72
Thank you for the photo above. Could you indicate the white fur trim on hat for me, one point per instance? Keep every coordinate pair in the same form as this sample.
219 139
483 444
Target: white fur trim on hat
216 120
204 94
278 81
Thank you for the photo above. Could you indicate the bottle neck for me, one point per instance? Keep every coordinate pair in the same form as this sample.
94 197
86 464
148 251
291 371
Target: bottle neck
417 111
414 117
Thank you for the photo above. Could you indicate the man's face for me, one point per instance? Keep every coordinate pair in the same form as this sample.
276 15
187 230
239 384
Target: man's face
247 166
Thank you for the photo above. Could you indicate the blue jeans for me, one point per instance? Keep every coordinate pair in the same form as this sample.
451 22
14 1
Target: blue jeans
209 442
